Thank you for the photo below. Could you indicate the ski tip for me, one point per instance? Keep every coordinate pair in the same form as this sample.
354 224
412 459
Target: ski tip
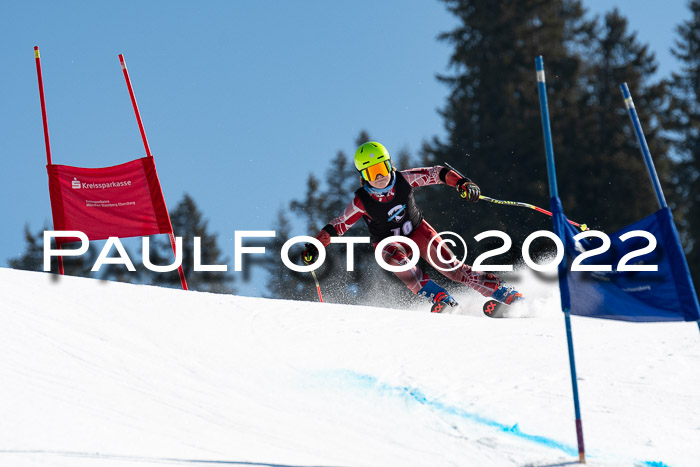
494 308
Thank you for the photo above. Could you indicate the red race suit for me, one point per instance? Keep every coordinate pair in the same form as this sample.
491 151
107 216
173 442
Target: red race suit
395 213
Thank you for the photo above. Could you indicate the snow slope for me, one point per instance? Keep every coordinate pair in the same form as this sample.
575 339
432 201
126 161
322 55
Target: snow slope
97 373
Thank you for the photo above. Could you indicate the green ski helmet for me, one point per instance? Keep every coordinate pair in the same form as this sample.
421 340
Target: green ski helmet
372 159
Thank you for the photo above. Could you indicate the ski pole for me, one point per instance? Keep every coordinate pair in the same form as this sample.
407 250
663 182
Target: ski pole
318 287
583 227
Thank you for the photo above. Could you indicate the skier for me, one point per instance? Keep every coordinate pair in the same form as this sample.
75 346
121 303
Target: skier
385 201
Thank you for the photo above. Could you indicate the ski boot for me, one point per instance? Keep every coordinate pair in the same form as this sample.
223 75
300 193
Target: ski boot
507 294
437 295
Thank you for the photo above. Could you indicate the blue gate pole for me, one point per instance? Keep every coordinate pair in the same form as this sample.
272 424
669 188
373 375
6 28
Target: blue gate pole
554 193
643 145
629 103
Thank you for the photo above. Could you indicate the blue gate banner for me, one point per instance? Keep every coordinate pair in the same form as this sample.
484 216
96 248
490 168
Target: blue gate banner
667 294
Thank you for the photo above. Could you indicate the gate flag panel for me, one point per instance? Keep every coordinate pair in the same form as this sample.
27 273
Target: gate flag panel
120 201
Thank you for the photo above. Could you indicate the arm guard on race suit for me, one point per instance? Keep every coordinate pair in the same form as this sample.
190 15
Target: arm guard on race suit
437 175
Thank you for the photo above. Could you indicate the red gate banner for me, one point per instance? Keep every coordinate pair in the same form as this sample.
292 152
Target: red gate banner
125 200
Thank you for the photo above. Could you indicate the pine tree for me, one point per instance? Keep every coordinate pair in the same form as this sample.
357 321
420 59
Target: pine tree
311 207
684 120
362 138
282 282
188 222
402 160
32 259
604 177
492 114
493 117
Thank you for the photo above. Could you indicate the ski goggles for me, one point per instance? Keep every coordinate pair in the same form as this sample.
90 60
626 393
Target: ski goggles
371 173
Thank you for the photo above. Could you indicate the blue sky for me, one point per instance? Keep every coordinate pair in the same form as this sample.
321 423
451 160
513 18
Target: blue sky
240 99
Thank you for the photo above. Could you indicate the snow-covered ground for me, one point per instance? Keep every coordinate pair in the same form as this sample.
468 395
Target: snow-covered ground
106 374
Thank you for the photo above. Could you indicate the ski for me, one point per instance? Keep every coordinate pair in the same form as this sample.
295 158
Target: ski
438 307
495 309
492 309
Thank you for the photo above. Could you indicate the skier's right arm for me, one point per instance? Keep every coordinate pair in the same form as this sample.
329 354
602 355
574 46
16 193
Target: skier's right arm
338 226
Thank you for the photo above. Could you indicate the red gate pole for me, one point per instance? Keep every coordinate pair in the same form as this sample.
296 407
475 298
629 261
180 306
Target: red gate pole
183 281
47 143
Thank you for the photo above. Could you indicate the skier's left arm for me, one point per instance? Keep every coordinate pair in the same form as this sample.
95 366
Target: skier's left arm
439 175
338 226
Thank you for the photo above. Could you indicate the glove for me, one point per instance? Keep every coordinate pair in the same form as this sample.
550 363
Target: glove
310 254
468 190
